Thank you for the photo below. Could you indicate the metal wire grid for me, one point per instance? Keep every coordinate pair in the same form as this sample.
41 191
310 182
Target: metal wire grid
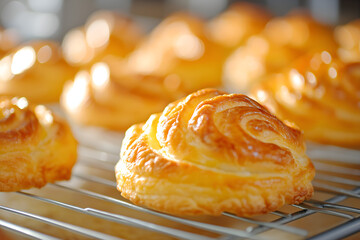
337 196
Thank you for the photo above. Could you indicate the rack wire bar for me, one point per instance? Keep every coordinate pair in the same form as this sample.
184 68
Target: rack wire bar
278 213
327 173
293 230
334 179
97 154
303 213
83 231
95 163
124 220
26 231
341 231
329 212
325 167
276 226
322 204
321 166
204 226
95 179
150 226
332 153
334 189
172 232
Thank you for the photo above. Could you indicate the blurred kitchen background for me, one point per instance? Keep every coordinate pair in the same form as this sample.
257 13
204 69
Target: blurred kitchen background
51 19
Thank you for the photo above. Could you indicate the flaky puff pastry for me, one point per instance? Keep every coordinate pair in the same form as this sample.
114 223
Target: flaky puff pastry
179 45
321 94
282 41
239 22
111 97
213 152
348 37
36 71
105 33
36 147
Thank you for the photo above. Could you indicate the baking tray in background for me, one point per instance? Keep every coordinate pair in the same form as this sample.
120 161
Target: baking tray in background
89 206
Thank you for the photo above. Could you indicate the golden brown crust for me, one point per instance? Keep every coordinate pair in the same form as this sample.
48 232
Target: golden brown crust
213 152
36 71
105 33
179 45
281 42
36 147
239 22
108 96
348 37
320 94
301 31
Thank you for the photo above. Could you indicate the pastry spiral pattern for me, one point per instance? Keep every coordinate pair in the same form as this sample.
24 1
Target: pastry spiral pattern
36 147
108 96
36 71
319 93
213 152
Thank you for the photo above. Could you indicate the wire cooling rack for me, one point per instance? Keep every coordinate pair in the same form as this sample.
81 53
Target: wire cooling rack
89 207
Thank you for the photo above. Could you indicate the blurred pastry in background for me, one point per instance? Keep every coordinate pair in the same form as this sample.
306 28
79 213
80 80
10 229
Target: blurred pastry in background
179 45
36 146
250 63
214 152
319 93
35 70
104 34
111 97
300 31
240 21
282 41
8 40
348 38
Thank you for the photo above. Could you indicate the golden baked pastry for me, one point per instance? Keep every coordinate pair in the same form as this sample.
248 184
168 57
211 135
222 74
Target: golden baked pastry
282 41
36 71
239 22
109 96
8 40
320 94
300 31
105 34
213 152
348 37
179 45
250 63
36 147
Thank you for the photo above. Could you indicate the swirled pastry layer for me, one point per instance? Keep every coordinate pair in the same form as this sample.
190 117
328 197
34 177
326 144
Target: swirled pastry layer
105 33
213 152
179 45
36 147
321 94
36 71
111 97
